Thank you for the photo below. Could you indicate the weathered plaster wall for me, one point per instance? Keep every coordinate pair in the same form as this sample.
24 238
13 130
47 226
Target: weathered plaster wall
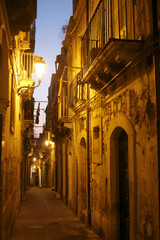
11 168
135 102
130 105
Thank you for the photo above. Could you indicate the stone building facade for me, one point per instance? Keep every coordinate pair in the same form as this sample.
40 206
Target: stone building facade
107 129
17 37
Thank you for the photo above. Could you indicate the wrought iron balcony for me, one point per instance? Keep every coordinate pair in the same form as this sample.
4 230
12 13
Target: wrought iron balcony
25 75
110 22
21 14
27 65
76 91
28 114
63 109
28 110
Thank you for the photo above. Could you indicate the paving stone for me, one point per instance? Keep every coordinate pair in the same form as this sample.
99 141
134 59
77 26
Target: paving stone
44 217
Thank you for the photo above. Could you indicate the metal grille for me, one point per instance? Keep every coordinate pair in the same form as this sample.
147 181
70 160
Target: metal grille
111 19
27 65
76 89
63 107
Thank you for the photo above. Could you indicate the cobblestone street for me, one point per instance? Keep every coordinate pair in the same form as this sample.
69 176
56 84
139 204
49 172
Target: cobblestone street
43 216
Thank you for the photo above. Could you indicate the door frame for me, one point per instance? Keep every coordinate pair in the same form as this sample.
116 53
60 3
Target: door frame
114 131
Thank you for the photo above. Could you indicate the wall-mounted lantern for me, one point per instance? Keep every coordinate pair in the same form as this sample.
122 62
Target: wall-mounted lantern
26 83
39 68
49 144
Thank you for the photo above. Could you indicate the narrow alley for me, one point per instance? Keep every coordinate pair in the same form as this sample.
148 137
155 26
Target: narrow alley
43 216
80 114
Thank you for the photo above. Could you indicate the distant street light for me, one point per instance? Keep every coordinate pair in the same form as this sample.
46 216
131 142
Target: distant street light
49 144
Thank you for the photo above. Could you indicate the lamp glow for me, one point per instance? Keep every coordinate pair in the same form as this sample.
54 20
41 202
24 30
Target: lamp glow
26 86
39 66
47 143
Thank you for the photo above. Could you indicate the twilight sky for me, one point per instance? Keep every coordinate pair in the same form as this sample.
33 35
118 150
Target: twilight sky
51 16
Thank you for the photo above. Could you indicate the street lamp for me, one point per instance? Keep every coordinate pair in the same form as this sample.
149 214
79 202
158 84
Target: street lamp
39 68
49 144
26 84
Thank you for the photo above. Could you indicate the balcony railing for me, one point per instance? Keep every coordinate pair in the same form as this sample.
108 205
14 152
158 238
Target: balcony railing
76 90
63 111
110 20
27 66
28 110
25 79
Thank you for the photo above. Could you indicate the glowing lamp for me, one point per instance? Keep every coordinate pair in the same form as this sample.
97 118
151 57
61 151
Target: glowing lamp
47 143
39 67
27 85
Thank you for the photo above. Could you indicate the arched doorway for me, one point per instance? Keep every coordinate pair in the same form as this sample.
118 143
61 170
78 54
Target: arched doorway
124 217
122 151
82 174
120 199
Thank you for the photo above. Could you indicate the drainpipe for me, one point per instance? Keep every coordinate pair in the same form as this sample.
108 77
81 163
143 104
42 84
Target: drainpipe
1 178
157 78
88 129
